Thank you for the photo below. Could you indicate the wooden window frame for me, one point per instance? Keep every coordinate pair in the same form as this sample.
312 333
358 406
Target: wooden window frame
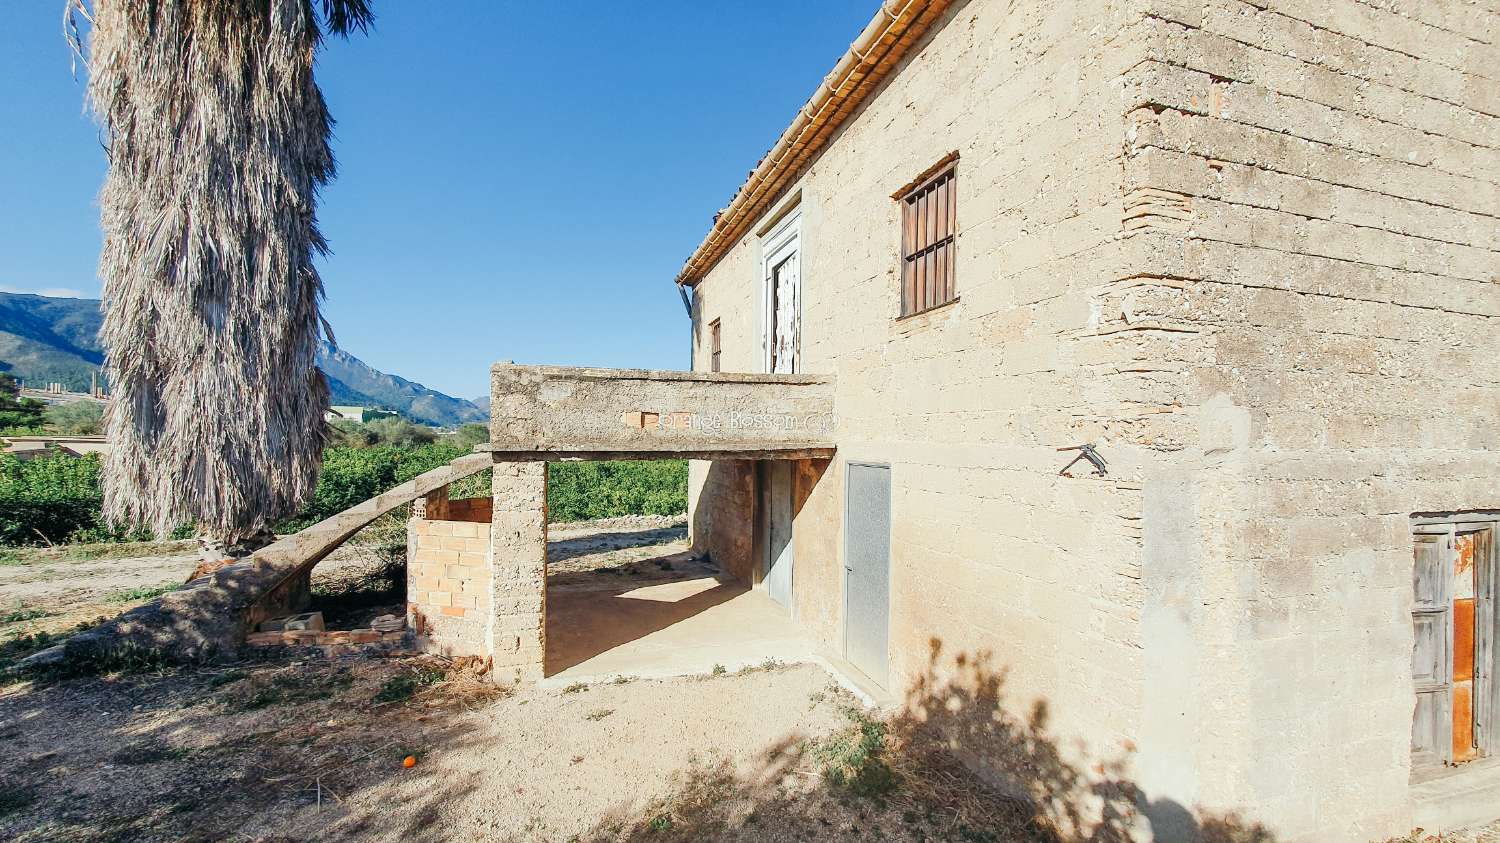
929 238
715 347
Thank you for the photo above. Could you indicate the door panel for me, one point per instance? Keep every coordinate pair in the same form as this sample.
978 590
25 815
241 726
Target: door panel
867 567
785 321
1432 662
1465 587
778 579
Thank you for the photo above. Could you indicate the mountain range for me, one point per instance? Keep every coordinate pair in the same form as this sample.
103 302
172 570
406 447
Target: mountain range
56 340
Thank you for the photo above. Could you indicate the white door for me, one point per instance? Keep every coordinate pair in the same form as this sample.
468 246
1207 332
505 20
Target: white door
781 285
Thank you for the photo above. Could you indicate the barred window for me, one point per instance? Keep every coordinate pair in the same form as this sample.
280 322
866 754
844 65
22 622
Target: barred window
714 349
928 231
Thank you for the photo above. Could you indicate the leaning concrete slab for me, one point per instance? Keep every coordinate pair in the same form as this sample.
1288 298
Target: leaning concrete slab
211 615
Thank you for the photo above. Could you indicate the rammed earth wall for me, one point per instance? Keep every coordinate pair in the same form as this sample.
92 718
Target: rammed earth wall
1248 250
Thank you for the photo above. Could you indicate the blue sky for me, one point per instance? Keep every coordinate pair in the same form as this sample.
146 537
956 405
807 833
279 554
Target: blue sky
517 180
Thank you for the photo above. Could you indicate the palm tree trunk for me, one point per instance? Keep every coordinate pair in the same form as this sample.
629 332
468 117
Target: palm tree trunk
218 141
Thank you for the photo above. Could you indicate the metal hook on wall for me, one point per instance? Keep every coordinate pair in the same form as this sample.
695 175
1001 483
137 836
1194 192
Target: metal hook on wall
1086 451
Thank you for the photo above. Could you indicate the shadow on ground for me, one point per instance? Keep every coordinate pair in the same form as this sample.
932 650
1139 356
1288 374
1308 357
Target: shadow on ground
563 549
951 726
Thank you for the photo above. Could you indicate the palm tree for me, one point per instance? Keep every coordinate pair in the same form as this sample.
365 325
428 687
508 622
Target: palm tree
217 137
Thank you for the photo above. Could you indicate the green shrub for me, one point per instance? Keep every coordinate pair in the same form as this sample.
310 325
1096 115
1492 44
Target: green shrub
852 758
46 499
80 418
352 475
401 688
578 491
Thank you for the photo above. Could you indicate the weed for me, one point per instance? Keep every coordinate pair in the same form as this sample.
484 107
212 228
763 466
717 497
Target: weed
10 557
131 595
719 670
576 687
622 679
852 758
660 822
664 564
599 714
401 688
23 613
290 688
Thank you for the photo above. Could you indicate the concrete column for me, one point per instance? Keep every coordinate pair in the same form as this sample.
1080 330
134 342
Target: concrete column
518 558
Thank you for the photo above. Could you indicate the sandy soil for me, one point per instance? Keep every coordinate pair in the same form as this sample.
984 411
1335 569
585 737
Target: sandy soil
204 756
67 581
286 750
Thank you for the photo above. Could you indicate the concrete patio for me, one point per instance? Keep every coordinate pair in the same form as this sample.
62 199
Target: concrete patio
650 629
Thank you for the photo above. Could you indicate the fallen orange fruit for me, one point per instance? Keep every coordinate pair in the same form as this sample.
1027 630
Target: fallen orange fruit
409 761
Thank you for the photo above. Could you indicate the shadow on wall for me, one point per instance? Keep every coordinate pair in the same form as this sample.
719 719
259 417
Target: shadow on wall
958 760
725 531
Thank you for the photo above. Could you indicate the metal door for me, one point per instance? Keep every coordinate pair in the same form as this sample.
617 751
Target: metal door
867 568
778 578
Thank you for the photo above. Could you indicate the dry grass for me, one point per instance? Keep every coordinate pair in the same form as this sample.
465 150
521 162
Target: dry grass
932 783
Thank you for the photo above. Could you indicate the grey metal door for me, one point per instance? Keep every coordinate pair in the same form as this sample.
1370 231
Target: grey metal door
867 568
778 579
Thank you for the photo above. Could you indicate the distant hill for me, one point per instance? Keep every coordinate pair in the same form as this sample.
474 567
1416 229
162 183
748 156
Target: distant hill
350 376
45 340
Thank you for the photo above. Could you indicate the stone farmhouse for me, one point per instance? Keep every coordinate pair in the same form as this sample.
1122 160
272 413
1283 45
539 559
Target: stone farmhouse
1247 251
1144 351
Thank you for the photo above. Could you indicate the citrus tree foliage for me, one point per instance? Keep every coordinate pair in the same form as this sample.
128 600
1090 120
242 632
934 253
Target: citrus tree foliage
56 498
51 499
578 491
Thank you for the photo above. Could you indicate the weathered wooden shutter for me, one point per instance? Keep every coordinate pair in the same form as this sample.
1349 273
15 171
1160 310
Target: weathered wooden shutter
1485 704
929 228
1432 659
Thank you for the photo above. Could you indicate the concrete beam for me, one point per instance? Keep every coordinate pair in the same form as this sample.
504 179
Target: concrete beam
562 454
557 412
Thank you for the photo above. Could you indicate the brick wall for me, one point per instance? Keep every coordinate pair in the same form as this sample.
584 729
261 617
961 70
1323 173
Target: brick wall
448 585
470 509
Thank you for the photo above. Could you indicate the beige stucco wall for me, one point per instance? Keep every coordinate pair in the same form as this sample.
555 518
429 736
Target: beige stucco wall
993 553
1330 303
1250 253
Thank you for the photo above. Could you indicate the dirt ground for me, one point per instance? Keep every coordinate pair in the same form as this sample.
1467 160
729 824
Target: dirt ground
282 749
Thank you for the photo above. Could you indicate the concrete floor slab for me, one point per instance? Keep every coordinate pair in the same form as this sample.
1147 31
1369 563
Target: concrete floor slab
666 629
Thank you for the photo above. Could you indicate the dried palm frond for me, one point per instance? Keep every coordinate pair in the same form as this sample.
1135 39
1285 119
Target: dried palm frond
218 141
